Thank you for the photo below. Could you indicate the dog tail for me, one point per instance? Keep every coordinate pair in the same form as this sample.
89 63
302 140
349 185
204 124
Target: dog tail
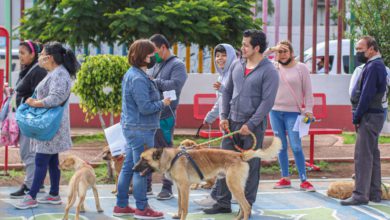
266 154
73 189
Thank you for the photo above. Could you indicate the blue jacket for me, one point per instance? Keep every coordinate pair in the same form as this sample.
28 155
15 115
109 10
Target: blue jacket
141 101
373 84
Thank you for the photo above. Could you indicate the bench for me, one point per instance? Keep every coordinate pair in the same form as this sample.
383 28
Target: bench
204 102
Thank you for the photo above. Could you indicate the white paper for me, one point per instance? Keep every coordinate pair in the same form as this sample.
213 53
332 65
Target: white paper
170 94
115 139
301 127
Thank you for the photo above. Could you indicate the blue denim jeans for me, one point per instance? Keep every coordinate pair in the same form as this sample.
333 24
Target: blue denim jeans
136 140
282 123
42 162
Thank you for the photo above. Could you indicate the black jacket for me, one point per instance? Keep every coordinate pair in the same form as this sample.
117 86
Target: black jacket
25 88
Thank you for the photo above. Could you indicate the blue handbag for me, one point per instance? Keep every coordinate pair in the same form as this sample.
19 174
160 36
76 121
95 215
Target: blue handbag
39 123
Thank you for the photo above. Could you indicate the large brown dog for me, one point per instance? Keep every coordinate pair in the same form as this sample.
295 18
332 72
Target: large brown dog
211 162
190 144
116 162
83 179
343 190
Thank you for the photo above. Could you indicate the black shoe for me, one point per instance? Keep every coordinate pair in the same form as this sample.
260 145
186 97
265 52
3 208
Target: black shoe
375 200
352 201
164 195
20 193
216 209
42 189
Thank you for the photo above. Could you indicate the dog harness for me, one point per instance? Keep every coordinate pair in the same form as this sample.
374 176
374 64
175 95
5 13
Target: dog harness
183 152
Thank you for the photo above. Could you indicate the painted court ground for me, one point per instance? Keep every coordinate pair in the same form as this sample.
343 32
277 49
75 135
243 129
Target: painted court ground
270 204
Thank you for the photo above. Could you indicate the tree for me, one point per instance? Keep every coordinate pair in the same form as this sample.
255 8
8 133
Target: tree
83 22
75 22
98 85
372 18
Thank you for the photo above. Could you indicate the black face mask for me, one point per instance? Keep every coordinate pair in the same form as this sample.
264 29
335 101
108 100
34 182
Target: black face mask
152 62
285 63
361 58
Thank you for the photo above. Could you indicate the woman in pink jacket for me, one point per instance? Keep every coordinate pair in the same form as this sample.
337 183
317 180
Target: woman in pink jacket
294 98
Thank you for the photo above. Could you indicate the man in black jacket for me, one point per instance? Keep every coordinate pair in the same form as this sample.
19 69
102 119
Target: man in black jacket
368 118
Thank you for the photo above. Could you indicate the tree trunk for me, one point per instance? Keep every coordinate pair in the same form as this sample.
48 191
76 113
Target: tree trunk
110 173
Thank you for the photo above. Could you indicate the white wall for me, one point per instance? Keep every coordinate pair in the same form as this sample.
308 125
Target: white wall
334 86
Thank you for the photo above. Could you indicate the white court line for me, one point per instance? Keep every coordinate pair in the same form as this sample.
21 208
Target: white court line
368 213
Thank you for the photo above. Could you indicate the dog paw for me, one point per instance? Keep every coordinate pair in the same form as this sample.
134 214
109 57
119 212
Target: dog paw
207 186
82 211
194 186
114 191
100 210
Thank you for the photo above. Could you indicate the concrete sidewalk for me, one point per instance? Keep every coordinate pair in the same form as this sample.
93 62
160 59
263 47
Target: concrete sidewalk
271 204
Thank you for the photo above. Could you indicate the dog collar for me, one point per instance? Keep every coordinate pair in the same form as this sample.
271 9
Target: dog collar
183 152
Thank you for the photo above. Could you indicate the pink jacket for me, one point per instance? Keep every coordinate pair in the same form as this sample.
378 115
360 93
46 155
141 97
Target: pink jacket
298 80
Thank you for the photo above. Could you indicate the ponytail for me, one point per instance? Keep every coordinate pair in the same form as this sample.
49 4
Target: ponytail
63 57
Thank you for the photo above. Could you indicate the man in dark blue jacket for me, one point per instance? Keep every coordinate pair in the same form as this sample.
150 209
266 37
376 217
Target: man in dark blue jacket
368 119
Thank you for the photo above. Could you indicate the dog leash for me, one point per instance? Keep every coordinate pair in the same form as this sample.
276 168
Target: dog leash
230 135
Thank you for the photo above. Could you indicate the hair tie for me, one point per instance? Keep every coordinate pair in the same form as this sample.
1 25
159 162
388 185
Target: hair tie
31 46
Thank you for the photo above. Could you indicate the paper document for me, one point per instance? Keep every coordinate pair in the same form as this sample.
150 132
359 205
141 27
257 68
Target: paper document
301 126
115 139
170 94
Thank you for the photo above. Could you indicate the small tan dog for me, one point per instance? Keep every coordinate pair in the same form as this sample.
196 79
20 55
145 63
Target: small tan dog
83 179
210 182
343 190
116 163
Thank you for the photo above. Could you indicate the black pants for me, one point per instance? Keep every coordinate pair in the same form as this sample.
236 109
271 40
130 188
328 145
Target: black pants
223 194
367 158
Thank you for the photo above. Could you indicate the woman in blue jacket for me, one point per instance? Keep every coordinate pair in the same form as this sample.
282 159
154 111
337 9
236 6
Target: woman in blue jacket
140 117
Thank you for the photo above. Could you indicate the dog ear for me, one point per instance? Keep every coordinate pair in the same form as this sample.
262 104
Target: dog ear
157 154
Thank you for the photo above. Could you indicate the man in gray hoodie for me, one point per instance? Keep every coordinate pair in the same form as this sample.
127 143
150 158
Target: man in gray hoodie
246 100
169 73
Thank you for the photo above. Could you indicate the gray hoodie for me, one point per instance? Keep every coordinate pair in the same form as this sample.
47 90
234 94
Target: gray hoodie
213 114
250 98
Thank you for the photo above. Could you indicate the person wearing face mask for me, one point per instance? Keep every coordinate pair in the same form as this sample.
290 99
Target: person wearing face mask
248 96
224 56
54 90
29 78
140 117
368 118
354 78
168 73
294 98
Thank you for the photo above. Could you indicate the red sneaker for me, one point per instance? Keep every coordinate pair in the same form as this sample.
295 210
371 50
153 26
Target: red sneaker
283 183
148 213
306 186
126 211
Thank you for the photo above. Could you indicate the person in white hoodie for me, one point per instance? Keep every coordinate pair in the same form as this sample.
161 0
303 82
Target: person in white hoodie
224 55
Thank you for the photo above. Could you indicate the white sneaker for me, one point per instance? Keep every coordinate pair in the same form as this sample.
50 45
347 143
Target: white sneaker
207 201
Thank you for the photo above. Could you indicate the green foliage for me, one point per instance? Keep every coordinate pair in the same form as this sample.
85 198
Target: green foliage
82 139
98 84
75 22
350 138
372 17
81 22
271 7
